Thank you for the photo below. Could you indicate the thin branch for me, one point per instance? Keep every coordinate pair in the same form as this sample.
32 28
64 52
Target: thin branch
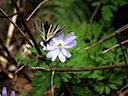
7 51
11 30
52 83
92 17
117 45
19 69
9 16
79 69
12 21
21 16
9 74
31 36
125 60
36 9
95 12
123 91
102 40
123 88
15 5
3 56
22 33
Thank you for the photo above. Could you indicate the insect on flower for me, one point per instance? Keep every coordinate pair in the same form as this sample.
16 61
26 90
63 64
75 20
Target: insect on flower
59 45
48 31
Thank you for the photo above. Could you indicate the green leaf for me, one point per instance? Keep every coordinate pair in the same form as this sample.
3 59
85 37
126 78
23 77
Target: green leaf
33 50
41 82
57 81
107 90
112 86
107 13
119 79
77 90
96 75
76 78
65 76
99 89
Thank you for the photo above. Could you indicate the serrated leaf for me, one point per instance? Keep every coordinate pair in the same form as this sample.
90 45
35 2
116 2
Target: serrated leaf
119 79
75 80
96 75
40 82
65 76
107 12
57 81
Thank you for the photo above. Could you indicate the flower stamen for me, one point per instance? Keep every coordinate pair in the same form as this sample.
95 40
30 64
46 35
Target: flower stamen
60 45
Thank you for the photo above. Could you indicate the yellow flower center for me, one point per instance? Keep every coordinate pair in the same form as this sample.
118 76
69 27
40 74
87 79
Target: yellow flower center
60 45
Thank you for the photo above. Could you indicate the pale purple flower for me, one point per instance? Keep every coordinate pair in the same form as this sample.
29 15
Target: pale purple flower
58 46
4 92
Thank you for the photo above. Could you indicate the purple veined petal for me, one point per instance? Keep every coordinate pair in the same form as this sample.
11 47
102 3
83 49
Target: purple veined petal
61 36
52 54
72 44
4 91
61 56
12 93
0 95
66 52
55 40
42 44
52 42
69 38
51 47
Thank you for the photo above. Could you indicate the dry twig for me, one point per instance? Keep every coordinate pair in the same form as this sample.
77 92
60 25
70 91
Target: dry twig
79 69
52 84
36 9
123 91
21 16
22 33
117 45
11 30
92 17
102 40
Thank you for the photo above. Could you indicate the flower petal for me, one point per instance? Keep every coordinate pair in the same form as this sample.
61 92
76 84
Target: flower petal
61 56
42 44
4 91
72 44
61 36
55 40
12 93
66 52
52 42
58 46
51 47
69 38
52 54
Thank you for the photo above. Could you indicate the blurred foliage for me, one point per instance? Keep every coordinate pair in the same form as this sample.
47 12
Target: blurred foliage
75 14
65 10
